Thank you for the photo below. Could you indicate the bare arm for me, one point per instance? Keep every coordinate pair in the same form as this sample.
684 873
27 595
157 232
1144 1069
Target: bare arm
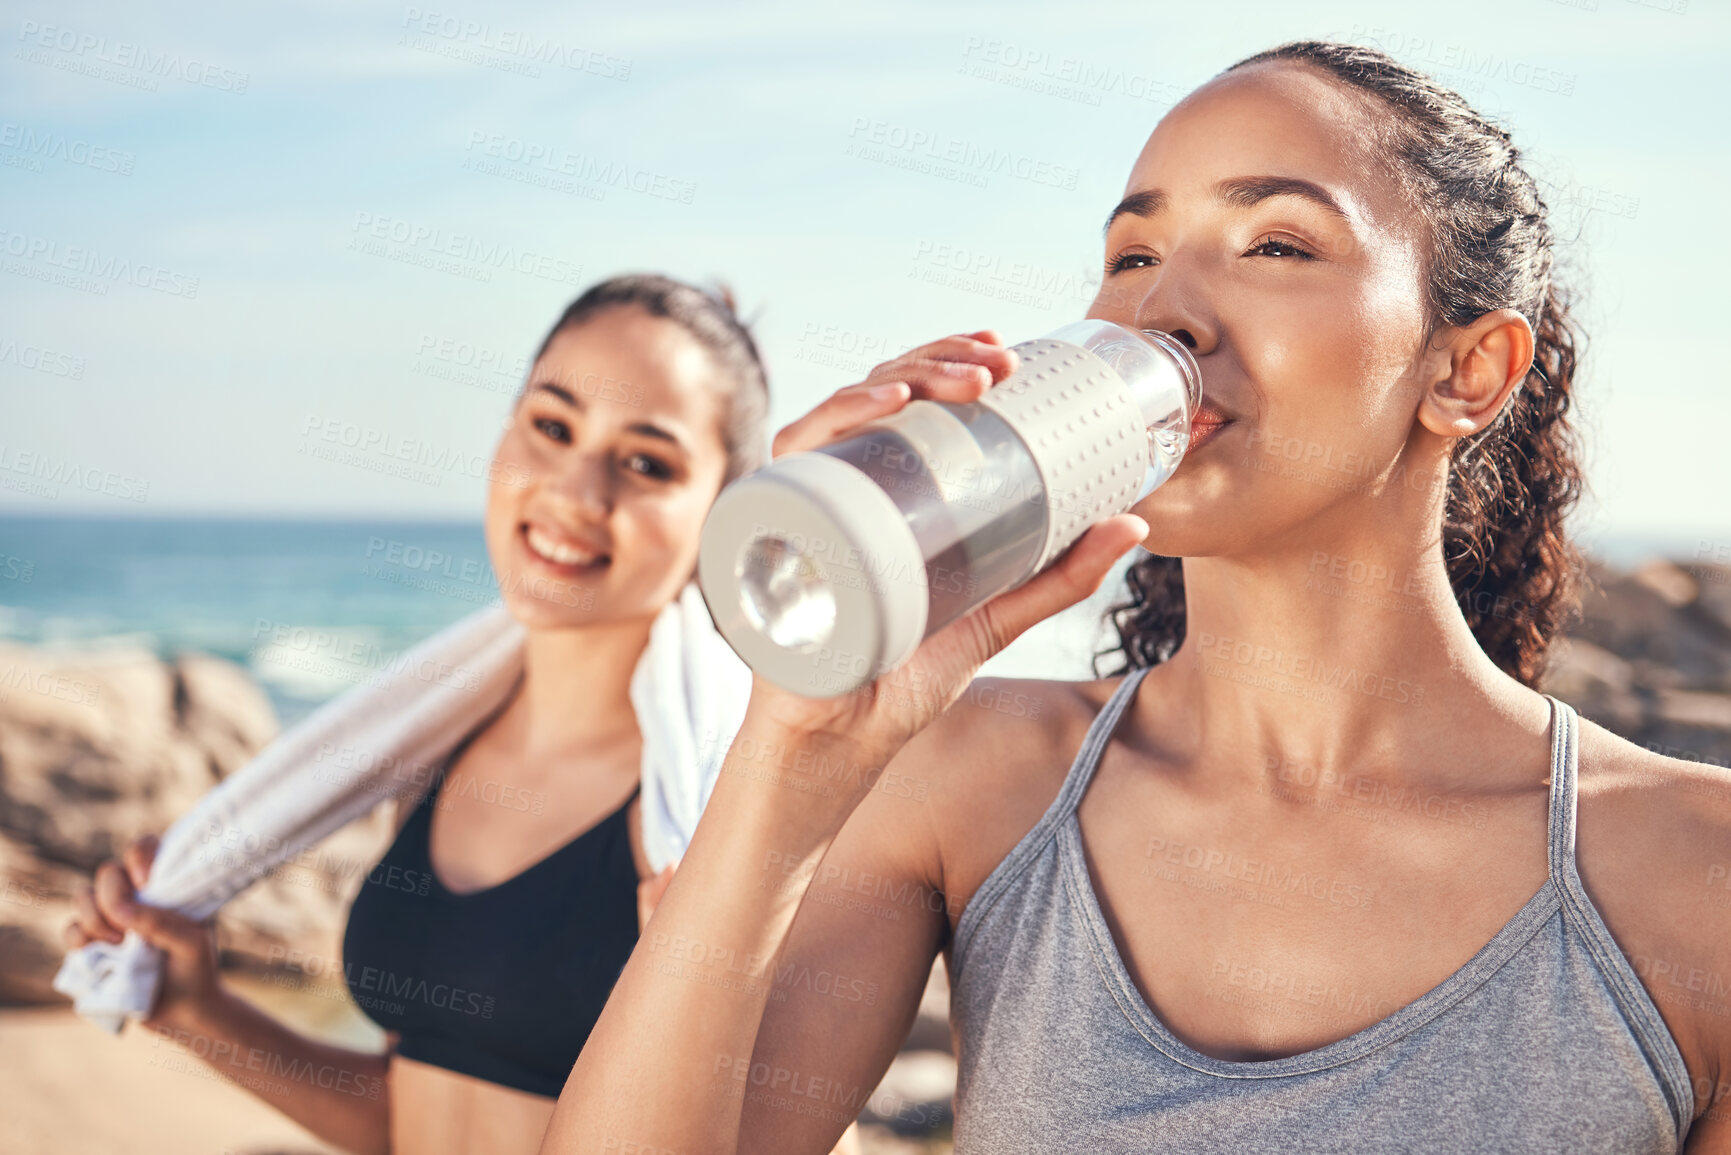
847 985
679 1049
337 1094
656 1071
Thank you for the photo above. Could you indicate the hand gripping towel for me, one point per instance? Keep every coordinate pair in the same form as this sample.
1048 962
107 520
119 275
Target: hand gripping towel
379 741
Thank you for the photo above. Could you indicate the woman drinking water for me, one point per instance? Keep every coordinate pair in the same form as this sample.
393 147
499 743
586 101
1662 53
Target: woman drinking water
1495 896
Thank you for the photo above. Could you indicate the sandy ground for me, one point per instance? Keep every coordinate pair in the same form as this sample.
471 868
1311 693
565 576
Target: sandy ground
68 1088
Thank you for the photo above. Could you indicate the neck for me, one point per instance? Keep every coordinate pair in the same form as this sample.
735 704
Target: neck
1344 655
576 690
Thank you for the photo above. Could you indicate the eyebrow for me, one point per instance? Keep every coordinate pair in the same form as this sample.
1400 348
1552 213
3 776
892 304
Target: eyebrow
1147 203
643 427
1239 192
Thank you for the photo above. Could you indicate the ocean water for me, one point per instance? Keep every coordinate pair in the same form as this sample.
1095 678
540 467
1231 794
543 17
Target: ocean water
311 608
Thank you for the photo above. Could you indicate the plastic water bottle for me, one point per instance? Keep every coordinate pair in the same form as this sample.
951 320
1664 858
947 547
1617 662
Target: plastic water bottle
826 569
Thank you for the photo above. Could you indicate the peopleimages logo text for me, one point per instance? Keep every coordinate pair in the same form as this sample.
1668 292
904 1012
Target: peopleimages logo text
47 145
124 54
63 471
465 247
92 263
516 42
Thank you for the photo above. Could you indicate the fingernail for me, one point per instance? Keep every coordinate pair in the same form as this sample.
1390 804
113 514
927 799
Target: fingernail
886 391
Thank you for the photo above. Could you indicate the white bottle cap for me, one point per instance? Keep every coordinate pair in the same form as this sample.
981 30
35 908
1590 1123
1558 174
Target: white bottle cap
813 575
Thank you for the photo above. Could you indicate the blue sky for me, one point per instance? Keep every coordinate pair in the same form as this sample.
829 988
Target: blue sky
226 231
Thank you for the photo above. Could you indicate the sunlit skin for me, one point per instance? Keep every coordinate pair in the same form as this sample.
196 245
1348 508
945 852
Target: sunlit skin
1311 324
610 450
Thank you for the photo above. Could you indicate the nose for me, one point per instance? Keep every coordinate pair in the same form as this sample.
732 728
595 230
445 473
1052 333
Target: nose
1180 310
584 484
1171 298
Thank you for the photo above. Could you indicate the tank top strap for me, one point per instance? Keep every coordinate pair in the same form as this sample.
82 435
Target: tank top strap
1630 994
1062 807
1094 745
1565 765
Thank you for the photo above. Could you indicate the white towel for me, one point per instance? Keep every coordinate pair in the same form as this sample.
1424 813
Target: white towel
382 740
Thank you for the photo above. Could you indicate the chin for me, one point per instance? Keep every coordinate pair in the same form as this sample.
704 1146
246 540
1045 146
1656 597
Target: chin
552 610
1187 533
1175 519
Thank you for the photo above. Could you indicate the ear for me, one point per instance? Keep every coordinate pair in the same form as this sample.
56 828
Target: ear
1487 361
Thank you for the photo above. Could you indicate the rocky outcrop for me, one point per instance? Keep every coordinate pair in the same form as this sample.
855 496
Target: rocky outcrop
99 749
1651 658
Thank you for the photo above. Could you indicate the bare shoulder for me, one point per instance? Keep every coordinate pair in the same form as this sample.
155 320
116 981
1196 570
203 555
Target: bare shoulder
1655 825
1653 848
996 760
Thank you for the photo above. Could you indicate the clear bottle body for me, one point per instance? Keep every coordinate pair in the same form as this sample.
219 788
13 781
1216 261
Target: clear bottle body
968 489
971 488
825 569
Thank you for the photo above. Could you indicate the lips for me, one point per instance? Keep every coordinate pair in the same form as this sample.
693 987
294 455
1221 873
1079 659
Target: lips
562 550
1206 422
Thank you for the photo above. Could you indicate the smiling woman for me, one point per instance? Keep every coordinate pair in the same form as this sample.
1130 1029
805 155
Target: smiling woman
624 454
1160 937
487 939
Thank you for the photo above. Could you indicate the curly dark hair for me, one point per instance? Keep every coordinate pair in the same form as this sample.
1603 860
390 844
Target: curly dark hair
1514 571
709 316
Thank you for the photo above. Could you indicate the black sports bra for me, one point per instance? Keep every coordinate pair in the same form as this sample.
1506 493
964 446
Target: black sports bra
505 983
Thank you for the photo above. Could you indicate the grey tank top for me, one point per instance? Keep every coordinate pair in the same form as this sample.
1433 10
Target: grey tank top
1544 1041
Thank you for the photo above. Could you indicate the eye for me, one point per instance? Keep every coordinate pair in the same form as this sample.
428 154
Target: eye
649 466
553 430
1279 247
1125 261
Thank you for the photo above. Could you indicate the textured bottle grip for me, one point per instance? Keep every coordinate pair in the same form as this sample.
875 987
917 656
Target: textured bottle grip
1086 435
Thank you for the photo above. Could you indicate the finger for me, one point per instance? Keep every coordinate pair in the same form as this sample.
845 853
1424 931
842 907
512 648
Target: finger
89 920
1076 574
114 895
648 898
138 859
887 390
655 887
181 938
956 369
842 411
983 348
934 379
73 936
994 354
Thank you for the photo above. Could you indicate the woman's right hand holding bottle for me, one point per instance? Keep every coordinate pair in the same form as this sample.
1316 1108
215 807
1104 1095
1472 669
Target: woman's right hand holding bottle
880 718
665 1066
